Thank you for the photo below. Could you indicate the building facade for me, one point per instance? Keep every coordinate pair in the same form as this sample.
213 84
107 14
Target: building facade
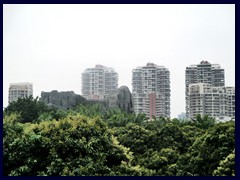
204 72
230 99
216 102
99 82
151 90
19 90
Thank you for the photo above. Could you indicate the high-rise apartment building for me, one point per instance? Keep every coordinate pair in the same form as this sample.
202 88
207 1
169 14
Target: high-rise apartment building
230 99
151 90
19 90
204 72
216 102
99 82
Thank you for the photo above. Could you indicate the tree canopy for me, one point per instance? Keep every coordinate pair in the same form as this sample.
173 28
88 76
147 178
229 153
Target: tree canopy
28 108
92 140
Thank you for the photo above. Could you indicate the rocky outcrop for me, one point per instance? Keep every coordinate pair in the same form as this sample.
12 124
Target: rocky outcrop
124 99
65 99
121 99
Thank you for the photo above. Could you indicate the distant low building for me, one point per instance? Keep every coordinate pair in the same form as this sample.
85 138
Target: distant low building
19 90
182 116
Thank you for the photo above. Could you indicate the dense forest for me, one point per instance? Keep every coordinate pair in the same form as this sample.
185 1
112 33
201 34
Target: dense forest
90 140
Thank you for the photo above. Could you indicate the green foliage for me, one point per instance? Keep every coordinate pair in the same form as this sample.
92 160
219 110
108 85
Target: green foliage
52 113
93 140
76 145
191 133
171 136
204 122
207 151
29 108
90 110
127 170
12 130
135 137
226 166
161 162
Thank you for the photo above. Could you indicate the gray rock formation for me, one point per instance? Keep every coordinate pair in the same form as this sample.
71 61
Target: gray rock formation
121 99
65 99
124 99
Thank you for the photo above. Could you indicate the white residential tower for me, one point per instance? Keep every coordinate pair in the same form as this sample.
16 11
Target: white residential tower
99 82
151 90
19 90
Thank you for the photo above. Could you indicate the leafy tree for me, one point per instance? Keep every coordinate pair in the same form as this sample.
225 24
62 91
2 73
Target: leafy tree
207 151
90 110
12 130
45 116
161 162
76 145
226 166
156 124
28 108
135 137
191 133
170 136
204 122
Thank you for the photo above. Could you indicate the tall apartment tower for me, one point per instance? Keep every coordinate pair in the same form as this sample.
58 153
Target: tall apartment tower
230 99
204 72
216 102
99 82
19 90
151 90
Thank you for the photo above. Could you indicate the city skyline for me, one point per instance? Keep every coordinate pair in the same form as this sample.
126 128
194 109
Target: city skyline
51 45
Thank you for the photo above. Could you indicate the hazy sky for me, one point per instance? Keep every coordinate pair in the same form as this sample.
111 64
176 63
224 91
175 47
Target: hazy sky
51 45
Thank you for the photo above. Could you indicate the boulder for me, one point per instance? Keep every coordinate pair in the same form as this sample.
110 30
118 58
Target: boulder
121 99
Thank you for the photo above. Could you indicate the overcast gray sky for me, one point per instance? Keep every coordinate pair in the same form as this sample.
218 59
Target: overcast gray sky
51 45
